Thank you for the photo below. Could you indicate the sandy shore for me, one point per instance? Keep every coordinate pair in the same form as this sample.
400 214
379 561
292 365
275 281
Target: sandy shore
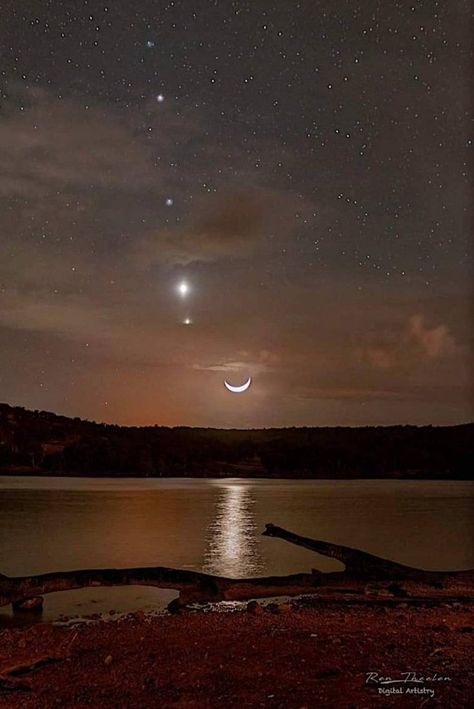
315 656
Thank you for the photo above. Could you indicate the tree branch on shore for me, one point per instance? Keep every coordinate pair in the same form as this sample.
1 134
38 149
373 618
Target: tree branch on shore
194 586
359 564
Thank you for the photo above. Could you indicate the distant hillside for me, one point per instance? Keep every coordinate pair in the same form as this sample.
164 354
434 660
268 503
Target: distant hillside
42 443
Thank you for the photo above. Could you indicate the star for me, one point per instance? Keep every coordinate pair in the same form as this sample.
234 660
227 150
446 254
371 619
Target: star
183 289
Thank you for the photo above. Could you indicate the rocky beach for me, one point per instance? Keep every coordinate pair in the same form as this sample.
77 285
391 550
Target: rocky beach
306 653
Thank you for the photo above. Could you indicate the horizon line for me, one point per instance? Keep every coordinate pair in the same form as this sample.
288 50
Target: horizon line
234 428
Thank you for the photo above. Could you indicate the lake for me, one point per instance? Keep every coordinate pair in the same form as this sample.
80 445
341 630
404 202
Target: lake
215 525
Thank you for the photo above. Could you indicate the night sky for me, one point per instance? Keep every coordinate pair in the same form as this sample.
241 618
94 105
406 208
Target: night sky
302 167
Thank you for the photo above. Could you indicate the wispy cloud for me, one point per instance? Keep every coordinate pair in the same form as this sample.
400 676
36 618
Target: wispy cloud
236 222
66 145
433 342
411 343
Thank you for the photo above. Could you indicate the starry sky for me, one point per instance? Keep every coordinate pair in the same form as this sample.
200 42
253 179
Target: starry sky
195 191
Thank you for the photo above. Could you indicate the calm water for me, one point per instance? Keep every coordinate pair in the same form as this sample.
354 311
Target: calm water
49 524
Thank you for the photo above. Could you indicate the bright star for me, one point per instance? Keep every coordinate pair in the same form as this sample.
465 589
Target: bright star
160 98
169 202
183 289
187 321
150 44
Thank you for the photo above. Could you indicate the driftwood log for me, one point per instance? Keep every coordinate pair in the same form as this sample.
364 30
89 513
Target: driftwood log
360 564
195 587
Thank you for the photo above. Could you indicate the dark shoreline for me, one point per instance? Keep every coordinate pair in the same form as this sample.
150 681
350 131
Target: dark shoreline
214 476
42 443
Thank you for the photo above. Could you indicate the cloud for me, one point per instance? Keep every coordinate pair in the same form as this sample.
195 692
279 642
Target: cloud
62 145
411 343
237 216
236 222
358 394
381 357
224 367
435 342
72 317
89 173
254 363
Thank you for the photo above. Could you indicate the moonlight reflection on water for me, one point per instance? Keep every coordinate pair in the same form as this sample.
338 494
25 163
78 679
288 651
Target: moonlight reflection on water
51 524
231 548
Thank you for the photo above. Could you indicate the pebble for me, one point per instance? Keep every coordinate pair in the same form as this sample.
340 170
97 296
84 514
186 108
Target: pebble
30 604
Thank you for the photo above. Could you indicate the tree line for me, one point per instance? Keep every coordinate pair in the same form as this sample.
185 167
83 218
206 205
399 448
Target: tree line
39 442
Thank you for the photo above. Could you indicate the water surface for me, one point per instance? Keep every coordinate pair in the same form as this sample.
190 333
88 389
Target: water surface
49 524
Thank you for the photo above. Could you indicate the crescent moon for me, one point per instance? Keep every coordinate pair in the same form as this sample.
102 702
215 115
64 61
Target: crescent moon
240 389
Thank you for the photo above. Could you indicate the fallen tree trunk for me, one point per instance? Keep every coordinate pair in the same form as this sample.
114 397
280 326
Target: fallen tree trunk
359 564
194 586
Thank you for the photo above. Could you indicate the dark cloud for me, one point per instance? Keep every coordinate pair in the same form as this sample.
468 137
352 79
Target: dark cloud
233 224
